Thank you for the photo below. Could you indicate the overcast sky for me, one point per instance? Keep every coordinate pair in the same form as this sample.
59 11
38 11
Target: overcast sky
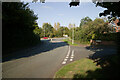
51 12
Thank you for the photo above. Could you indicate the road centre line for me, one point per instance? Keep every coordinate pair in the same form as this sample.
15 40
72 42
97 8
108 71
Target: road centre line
66 58
63 62
71 59
72 55
68 53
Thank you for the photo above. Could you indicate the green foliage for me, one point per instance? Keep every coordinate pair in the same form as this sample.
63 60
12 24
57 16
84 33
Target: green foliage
47 29
85 21
79 67
38 31
57 26
18 23
107 37
60 31
51 35
113 9
66 30
91 30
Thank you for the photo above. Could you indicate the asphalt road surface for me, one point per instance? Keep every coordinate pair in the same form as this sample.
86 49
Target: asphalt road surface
42 61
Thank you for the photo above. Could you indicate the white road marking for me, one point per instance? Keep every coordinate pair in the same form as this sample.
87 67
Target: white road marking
66 58
71 59
68 53
72 53
63 62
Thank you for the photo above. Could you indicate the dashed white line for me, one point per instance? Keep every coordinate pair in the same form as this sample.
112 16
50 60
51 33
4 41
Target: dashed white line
66 58
71 59
72 55
63 62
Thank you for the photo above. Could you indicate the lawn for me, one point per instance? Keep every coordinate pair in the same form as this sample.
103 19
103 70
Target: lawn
107 68
79 69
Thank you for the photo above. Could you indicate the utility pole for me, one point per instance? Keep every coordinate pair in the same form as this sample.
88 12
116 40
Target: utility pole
44 31
73 34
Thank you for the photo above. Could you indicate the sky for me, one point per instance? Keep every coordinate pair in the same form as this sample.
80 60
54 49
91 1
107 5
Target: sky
51 12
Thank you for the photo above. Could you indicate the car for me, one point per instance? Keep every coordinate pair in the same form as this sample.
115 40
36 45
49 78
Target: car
45 37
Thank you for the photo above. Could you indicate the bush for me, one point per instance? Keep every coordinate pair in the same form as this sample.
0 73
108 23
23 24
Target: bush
107 37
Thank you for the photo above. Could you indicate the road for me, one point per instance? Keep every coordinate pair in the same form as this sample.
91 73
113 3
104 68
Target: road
42 61
38 62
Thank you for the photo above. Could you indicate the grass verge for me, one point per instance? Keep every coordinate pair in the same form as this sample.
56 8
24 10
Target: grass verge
76 42
107 68
69 42
79 69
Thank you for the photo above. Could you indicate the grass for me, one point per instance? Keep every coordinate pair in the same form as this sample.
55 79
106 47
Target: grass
76 42
81 42
69 42
107 68
79 69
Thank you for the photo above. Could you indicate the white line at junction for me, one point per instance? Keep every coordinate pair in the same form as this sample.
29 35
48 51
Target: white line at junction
63 62
72 55
67 56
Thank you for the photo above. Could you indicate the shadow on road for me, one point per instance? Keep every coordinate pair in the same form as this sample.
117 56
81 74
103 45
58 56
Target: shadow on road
107 58
44 46
101 51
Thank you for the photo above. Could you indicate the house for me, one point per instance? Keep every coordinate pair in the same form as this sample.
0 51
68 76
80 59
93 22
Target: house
114 26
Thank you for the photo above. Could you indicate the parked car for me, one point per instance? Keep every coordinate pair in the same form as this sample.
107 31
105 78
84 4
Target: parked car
45 37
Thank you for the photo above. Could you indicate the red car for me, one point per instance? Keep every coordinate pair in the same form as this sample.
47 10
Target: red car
45 37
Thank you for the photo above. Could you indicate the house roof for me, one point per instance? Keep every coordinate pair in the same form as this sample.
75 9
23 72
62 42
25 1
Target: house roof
116 21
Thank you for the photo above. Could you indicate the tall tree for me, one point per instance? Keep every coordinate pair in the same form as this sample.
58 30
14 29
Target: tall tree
17 24
55 26
85 21
70 26
58 25
113 9
48 29
66 30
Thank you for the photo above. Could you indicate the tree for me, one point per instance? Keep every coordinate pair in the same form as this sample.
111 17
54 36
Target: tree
66 30
85 21
48 29
18 23
58 25
113 9
91 30
70 25
60 32
38 31
55 26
